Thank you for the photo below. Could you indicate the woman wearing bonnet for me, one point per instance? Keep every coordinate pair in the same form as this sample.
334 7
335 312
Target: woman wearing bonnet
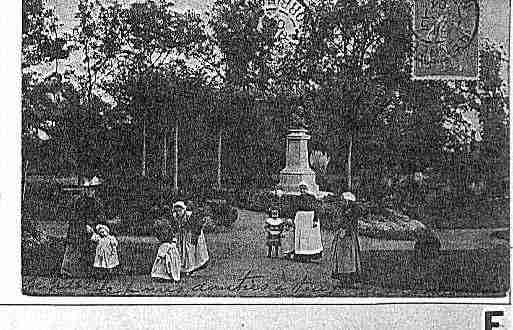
190 239
87 213
345 249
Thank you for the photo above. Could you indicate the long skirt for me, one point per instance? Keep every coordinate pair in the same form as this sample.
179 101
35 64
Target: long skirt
77 261
194 255
345 254
307 238
167 263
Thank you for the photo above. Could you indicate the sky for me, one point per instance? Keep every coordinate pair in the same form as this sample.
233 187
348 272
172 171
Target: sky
494 17
494 14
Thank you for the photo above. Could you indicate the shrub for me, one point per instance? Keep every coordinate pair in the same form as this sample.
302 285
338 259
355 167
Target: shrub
255 200
127 202
331 214
319 161
330 210
222 212
45 201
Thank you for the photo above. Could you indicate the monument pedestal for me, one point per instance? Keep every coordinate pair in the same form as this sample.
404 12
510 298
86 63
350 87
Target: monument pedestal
297 167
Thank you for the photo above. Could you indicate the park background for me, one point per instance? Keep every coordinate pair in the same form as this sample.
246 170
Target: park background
436 151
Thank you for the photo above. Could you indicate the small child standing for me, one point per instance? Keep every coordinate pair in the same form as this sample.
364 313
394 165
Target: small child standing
106 250
273 227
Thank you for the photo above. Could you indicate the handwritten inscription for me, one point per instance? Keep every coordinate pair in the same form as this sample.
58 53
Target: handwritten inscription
248 283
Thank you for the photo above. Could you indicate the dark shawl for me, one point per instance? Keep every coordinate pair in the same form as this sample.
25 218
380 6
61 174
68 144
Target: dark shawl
86 211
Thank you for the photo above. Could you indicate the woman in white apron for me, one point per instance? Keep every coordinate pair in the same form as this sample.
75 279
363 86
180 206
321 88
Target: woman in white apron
307 233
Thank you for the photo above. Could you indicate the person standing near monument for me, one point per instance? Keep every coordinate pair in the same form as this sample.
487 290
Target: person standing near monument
273 228
87 213
307 233
345 249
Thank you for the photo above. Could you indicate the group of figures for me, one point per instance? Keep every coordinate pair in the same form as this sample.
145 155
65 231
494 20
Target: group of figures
300 238
183 248
91 249
81 255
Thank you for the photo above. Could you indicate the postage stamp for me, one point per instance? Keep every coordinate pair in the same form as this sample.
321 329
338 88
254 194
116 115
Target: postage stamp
447 39
278 149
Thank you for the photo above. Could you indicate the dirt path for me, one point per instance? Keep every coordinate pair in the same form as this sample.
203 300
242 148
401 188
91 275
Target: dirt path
239 267
249 228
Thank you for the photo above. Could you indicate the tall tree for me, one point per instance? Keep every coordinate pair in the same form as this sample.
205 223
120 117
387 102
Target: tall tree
154 35
241 56
41 44
338 54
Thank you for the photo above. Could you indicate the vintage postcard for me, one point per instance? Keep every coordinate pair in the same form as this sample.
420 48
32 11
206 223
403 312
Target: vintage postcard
290 149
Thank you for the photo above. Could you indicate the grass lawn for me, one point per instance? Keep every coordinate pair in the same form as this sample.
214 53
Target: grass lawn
238 267
491 213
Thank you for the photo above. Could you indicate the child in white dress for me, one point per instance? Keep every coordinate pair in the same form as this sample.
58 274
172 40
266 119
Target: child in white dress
168 262
106 258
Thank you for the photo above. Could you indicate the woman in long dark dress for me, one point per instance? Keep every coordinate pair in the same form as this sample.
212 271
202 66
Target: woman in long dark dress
87 213
345 249
190 239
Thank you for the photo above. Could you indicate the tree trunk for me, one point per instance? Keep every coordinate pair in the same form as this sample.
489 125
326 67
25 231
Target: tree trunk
90 80
144 148
56 55
349 155
175 179
164 163
24 180
219 158
352 136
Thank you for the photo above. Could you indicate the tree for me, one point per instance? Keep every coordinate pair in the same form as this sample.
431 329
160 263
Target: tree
41 44
488 99
99 37
40 40
338 57
153 35
241 54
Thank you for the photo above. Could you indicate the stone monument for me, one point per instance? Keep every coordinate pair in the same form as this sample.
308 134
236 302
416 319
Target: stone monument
297 167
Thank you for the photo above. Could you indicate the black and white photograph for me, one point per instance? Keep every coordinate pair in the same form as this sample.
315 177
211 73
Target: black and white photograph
265 148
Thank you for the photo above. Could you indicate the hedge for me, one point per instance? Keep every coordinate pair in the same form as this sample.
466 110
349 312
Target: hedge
375 221
128 204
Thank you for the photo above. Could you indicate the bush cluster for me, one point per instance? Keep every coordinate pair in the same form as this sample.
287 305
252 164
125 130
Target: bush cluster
128 204
330 210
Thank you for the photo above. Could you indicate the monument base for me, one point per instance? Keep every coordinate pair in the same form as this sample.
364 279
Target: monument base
290 180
